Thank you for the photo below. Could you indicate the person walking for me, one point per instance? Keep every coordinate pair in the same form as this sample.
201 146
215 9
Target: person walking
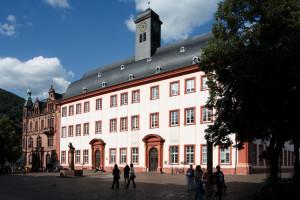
116 177
198 183
131 176
219 178
190 178
126 174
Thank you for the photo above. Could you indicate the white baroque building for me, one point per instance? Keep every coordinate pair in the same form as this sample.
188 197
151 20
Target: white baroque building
148 110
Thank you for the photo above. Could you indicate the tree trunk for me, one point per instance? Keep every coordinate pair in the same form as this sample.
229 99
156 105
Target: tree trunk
296 162
274 149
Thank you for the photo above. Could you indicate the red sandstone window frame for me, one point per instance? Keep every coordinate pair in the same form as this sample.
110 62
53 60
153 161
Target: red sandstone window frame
126 124
151 95
84 156
121 99
170 88
202 88
76 156
138 124
110 125
78 108
219 156
150 120
98 104
110 150
64 111
86 107
63 132
120 157
100 127
185 157
63 157
71 110
170 118
70 131
178 155
201 154
76 133
185 115
111 100
201 115
131 155
84 129
132 96
185 85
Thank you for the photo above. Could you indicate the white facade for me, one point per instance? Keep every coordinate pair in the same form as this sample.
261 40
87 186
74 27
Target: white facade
181 135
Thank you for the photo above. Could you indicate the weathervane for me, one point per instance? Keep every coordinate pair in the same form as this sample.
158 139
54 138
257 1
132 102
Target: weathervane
148 4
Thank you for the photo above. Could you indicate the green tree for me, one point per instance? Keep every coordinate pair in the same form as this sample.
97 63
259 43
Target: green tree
253 69
10 145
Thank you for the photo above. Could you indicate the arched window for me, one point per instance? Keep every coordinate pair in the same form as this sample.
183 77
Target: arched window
30 142
39 141
36 126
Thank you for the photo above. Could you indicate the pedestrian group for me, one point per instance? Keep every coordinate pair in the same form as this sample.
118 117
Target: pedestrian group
129 176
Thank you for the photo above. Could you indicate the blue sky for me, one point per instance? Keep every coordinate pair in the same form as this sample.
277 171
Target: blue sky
45 42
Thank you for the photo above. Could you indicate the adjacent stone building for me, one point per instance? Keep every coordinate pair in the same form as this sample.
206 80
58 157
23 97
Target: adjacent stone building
40 125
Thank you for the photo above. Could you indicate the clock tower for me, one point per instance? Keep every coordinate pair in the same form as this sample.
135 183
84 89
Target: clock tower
147 38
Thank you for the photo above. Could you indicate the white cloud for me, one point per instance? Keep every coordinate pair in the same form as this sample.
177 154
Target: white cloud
58 3
179 18
8 28
37 73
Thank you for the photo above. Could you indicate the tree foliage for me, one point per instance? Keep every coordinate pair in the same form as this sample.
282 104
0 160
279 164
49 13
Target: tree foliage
253 68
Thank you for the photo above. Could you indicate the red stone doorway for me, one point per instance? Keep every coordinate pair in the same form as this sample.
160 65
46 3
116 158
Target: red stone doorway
98 152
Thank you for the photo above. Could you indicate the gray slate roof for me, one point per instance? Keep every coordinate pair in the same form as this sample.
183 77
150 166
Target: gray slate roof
168 58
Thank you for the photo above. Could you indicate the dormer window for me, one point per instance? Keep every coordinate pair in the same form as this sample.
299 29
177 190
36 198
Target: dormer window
157 69
99 75
122 67
84 89
196 60
103 84
182 50
149 59
130 76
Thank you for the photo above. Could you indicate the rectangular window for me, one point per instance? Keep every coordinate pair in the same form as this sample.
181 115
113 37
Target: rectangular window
154 92
144 37
63 132
78 108
86 127
253 154
174 118
190 85
99 104
98 127
189 154
174 88
204 83
225 156
112 156
124 99
141 38
63 157
77 156
123 123
174 155
78 129
71 110
206 115
113 101
123 155
154 120
85 156
135 155
64 112
70 134
136 96
203 154
113 125
42 125
189 115
50 140
135 122
86 107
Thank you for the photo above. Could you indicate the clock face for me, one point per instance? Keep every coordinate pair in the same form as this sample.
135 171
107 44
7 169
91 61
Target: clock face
143 26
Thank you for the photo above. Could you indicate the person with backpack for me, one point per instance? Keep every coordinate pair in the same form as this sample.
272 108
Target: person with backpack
116 177
219 179
198 183
131 176
126 174
190 178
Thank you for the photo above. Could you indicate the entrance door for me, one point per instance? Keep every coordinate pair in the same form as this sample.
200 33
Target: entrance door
153 160
97 159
